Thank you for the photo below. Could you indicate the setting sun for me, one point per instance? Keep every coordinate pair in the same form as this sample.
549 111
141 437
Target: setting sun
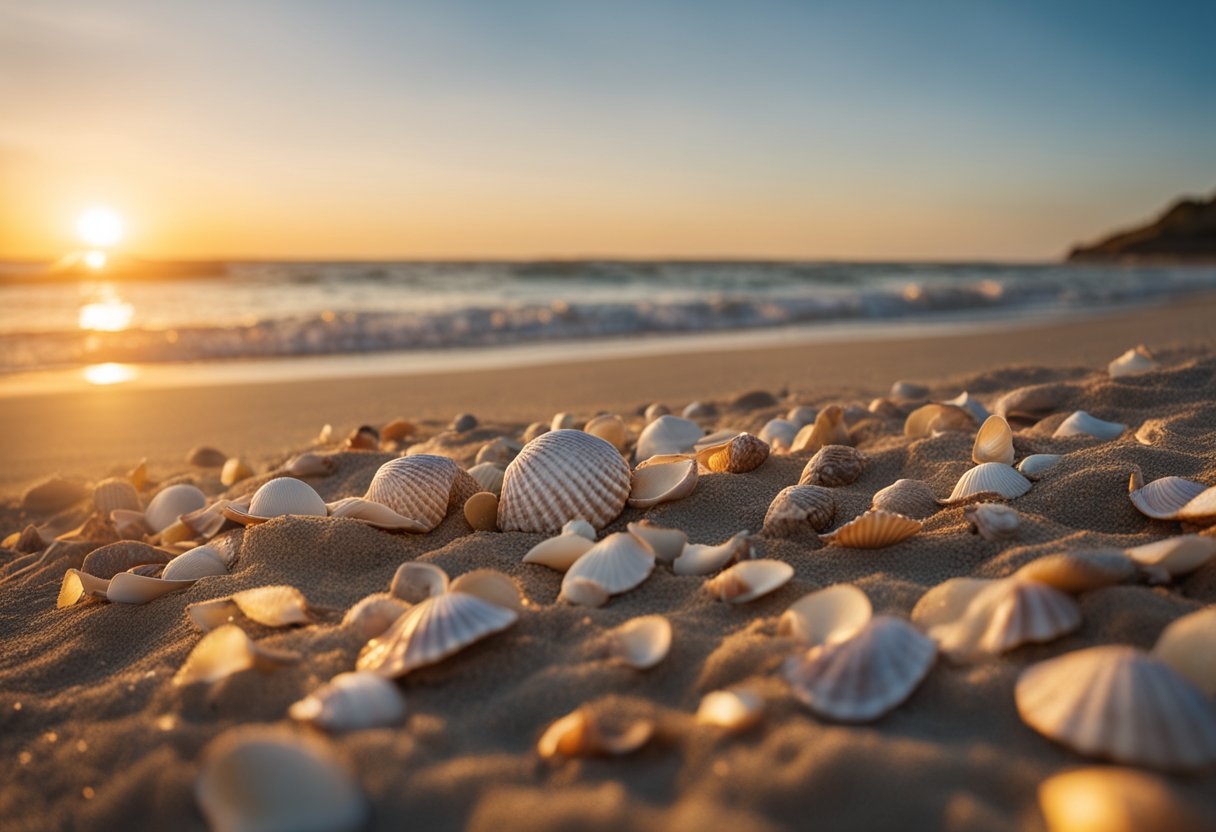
100 226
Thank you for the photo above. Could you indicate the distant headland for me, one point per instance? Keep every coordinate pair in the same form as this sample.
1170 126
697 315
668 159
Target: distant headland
1184 233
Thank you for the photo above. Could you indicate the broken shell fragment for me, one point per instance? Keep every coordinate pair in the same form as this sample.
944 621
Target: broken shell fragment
1176 555
227 650
993 521
583 592
559 552
351 702
77 584
932 419
738 455
642 642
828 429
374 614
1163 498
749 579
989 480
311 465
1110 799
667 544
667 435
800 508
1134 362
610 428
172 502
833 466
481 512
374 514
994 442
270 606
498 451
618 563
873 530
1081 571
661 483
415 581
423 486
107 561
1081 423
826 616
115 493
235 469
130 588
1188 645
1036 465
199 562
735 710
583 734
704 559
911 498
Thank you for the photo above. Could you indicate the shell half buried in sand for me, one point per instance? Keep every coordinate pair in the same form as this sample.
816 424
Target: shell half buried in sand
374 514
559 552
833 466
641 643
911 498
415 581
583 734
826 616
610 428
863 677
1110 799
196 563
705 559
1036 465
423 486
1081 571
351 702
734 710
932 419
994 442
270 606
280 497
1136 361
988 480
227 650
107 561
618 563
800 508
661 483
749 580
667 435
1081 423
171 503
1163 498
123 588
373 614
993 521
1175 555
668 544
828 429
873 530
1188 645
1120 703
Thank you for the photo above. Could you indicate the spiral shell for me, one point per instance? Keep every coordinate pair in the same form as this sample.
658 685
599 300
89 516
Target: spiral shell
833 466
424 487
799 508
911 498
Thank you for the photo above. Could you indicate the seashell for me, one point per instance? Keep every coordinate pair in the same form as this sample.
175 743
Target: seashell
654 411
363 438
749 579
661 483
205 457
499 451
199 562
1188 645
1081 423
753 400
270 606
235 469
700 410
397 430
534 430
780 431
205 522
559 552
131 588
1134 362
885 408
993 521
489 477
583 734
77 584
562 475
827 616
641 642
311 465
667 435
864 677
148 570
372 615
463 422
115 493
433 630
618 563
972 405
994 442
107 561
988 480
833 466
1109 799
1201 510
667 544
279 497
799 508
1036 465
227 650
580 527
801 416
1162 499
739 455
735 710
415 581
138 476
828 429
492 586
583 592
129 525
610 428
325 435
909 391
261 780
563 421
873 530
1176 555
29 540
374 514
171 503
1030 403
481 512
932 419
972 618
351 702
1079 571
911 498
51 495
1121 703
423 486
703 559
715 438
176 532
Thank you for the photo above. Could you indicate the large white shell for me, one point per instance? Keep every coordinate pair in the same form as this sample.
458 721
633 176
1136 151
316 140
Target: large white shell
172 502
559 552
1189 646
258 780
1176 555
423 486
374 614
911 498
115 493
994 442
826 616
654 484
989 478
1119 702
668 544
828 429
734 710
667 435
1036 465
864 677
350 702
227 650
1163 498
618 563
873 530
749 579
800 508
641 642
1134 362
199 562
704 559
1081 423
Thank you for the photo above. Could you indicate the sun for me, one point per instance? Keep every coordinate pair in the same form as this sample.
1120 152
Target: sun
100 226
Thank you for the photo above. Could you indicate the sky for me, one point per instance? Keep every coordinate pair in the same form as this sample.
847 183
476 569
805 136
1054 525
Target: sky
767 129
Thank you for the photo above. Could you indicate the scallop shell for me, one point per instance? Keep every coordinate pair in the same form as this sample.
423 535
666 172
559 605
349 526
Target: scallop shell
833 466
1121 703
172 502
739 455
932 419
199 562
374 514
1081 423
643 642
1079 571
1109 799
610 428
259 780
972 405
1176 555
415 581
654 411
311 465
618 563
1036 465
270 606
911 498
77 585
423 486
562 475
489 477
1134 362
994 442
107 561
1188 645
235 469
1031 403
749 579
667 435
351 702
654 484
993 521
115 493
703 559
873 530
227 650
799 508
1162 499
583 734
988 480
826 616
828 429
735 710
778 431
864 677
372 615
559 552
481 512
667 544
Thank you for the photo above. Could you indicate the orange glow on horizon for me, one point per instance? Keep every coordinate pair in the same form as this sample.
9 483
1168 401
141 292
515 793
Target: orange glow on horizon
110 373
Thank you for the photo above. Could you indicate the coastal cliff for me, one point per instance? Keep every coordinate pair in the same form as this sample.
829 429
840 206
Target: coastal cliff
1184 233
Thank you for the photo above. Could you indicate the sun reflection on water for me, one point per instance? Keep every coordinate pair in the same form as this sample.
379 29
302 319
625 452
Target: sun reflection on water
109 373
108 313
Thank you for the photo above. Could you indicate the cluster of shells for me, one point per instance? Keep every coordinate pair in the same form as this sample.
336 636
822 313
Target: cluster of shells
566 485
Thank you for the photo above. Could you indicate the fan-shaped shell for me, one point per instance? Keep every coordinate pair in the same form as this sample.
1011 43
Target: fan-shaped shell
1188 645
227 650
374 514
1081 423
618 563
989 479
668 544
374 614
1079 571
489 477
350 702
423 486
1119 702
833 466
562 475
935 418
641 642
1110 799
735 710
993 521
828 429
199 562
610 428
703 559
1036 465
107 561
994 442
873 530
115 493
800 508
559 552
778 432
911 498
415 581
654 484
1163 498
749 579
739 455
583 734
1134 362
1176 555
667 435
172 502
864 677
826 616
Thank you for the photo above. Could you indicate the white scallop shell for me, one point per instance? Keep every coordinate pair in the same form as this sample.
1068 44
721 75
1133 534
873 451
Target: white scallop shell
991 479
560 476
703 559
1188 645
374 514
1036 465
489 477
1079 571
667 544
582 734
749 579
864 677
1134 362
1163 498
911 498
172 502
735 710
423 486
1176 555
559 552
618 563
610 428
227 650
994 442
828 429
1081 423
800 508
826 616
374 614
415 581
935 418
199 562
1119 702
993 521
641 642
350 702
115 493
780 431
654 484
667 435
873 530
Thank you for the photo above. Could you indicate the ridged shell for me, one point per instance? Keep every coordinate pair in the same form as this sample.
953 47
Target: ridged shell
562 475
800 508
1109 799
641 643
618 563
489 477
259 780
1134 362
993 521
994 442
1188 645
199 562
749 580
583 734
610 428
833 466
1119 702
415 581
170 503
107 561
667 435
828 429
668 544
351 702
559 552
826 616
235 470
911 498
227 650
374 514
1176 555
1079 571
1081 423
423 486
932 419
864 677
481 512
704 559
115 493
433 630
989 479
873 530
654 484
1162 499
739 455
735 710
778 431
374 614
1036 465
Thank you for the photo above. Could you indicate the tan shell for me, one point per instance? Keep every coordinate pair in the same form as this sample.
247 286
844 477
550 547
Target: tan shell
826 616
734 710
199 562
235 469
1079 571
618 563
492 586
270 606
667 435
932 419
1036 465
662 483
77 585
641 643
132 588
583 734
993 521
363 438
911 498
374 614
1031 403
654 410
1134 362
115 493
1081 423
172 502
1163 498
610 428
481 512
873 530
498 451
205 457
584 592
311 465
749 579
350 702
374 514
704 559
908 390
559 552
778 432
227 650
828 429
799 508
971 404
1120 703
668 544
107 561
988 480
1176 555
534 430
739 455
1110 799
397 429
1188 645
994 442
833 466
423 486
489 477
415 581
863 677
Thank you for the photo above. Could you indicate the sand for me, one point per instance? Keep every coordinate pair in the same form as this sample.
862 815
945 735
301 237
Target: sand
95 735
